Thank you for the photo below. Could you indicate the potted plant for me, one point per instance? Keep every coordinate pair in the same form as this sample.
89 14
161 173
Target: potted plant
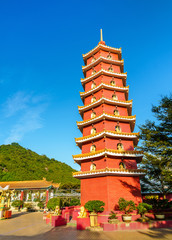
94 207
160 206
127 207
143 208
112 218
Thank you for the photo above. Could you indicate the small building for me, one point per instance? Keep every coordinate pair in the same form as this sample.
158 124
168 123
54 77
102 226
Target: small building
30 191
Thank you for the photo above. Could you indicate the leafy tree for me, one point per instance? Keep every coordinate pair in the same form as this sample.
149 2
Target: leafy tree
157 146
75 202
19 164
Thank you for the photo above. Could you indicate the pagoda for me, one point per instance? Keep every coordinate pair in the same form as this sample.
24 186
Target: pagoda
108 160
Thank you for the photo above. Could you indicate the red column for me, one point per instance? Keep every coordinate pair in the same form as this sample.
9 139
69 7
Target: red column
47 196
22 195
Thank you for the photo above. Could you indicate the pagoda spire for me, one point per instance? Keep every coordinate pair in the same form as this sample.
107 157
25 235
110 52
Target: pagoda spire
101 37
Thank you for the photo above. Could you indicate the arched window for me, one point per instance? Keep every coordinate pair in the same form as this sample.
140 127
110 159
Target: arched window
109 56
93 85
122 166
110 69
116 112
120 147
93 71
93 167
93 114
92 148
118 128
93 59
93 99
93 131
112 83
114 97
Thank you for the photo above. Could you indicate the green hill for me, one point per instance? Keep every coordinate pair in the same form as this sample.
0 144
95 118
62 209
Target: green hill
19 164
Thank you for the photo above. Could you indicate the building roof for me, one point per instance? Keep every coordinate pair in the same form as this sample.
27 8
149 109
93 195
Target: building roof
110 171
103 47
133 136
105 72
35 184
110 152
105 86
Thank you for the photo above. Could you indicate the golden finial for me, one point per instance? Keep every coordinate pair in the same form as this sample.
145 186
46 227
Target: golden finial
101 35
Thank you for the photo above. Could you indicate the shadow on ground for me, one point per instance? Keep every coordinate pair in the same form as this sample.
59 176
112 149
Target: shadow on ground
70 233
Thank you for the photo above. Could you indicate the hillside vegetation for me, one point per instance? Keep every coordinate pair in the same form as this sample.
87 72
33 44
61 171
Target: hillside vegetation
18 164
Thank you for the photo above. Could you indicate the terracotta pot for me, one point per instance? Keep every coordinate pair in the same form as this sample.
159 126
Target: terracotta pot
93 220
127 218
160 216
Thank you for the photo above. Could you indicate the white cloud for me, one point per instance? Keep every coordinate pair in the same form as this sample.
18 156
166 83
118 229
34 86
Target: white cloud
27 109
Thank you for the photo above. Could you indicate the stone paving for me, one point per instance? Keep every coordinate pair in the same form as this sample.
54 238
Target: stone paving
30 226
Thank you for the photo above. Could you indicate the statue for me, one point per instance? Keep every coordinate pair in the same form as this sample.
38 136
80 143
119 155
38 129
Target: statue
82 213
57 211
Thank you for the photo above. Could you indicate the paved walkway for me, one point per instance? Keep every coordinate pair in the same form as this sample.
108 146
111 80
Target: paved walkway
30 226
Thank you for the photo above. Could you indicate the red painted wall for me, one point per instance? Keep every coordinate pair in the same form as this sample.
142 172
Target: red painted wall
109 189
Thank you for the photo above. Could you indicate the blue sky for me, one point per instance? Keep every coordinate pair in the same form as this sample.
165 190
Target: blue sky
41 47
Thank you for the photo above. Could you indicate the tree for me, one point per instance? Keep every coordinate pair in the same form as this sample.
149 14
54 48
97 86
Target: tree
157 146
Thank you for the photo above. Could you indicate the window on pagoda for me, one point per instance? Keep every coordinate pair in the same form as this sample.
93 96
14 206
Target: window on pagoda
116 112
93 131
93 114
93 167
93 85
93 71
110 69
93 99
92 148
118 129
109 56
122 166
114 97
93 59
120 147
112 83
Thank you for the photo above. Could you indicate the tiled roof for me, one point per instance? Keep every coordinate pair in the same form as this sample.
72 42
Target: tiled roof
30 184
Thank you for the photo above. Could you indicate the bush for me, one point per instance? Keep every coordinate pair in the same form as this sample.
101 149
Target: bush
74 202
159 205
53 202
29 206
94 206
143 208
17 203
126 206
40 204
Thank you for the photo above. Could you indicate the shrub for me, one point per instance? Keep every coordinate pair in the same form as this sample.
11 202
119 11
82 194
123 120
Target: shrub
53 202
95 206
29 206
17 203
159 205
74 202
40 204
126 206
143 208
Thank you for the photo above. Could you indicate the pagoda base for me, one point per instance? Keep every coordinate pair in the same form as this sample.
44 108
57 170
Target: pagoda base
109 189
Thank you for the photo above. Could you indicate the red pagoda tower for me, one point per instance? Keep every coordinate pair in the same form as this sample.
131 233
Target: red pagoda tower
108 160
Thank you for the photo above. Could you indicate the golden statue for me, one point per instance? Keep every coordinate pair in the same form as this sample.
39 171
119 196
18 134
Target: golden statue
82 213
57 211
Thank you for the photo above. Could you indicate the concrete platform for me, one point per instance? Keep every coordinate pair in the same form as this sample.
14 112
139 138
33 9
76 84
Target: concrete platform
30 226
